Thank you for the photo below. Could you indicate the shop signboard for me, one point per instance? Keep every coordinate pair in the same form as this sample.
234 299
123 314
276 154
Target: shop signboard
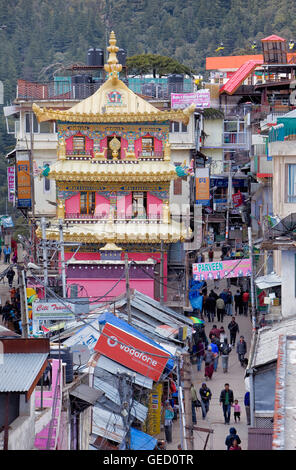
202 184
11 183
222 269
23 184
53 311
132 352
200 98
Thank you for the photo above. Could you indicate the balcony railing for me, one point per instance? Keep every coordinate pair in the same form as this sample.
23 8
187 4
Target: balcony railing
282 133
118 217
55 90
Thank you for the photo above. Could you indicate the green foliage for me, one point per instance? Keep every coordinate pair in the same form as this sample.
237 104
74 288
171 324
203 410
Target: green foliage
156 64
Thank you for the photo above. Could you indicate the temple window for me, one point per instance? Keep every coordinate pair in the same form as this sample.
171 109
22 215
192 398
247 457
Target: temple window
87 202
139 204
79 143
147 146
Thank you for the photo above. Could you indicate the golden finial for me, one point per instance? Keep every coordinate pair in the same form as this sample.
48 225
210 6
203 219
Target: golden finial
113 67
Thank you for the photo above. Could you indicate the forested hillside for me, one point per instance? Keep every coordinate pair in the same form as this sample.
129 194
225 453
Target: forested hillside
39 33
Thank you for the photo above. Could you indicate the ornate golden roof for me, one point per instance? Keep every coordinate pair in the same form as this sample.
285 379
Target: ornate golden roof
120 171
120 233
113 102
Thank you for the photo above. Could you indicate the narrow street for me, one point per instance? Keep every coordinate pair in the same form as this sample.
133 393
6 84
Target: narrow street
235 377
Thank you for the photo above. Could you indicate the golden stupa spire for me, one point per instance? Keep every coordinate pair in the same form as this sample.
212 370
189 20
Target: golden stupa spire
113 67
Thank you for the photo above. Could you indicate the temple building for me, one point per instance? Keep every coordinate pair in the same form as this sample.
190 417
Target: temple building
113 174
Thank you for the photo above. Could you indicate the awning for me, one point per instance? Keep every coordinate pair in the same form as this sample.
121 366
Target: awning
140 441
239 76
87 394
270 280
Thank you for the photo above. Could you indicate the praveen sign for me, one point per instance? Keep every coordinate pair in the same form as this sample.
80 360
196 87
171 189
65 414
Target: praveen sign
221 269
132 352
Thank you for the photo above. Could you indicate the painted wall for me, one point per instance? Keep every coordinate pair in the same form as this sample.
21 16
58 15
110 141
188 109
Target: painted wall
154 205
102 205
95 288
72 205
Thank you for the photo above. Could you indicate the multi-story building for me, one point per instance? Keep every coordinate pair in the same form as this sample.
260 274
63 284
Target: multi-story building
113 177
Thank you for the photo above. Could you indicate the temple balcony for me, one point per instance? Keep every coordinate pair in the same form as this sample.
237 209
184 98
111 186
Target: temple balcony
103 217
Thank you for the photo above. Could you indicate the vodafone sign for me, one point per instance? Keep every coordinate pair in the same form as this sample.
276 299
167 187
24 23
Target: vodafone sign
132 352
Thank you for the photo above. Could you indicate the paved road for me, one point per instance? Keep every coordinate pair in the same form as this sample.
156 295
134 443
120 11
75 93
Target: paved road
235 378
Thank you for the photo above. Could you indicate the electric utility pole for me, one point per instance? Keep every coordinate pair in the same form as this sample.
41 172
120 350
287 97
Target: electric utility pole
229 198
128 292
63 266
161 276
44 251
23 301
187 401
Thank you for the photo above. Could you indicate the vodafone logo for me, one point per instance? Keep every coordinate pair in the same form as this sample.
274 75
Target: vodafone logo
112 341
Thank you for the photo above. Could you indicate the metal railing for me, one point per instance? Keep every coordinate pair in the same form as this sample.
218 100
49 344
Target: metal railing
118 217
55 90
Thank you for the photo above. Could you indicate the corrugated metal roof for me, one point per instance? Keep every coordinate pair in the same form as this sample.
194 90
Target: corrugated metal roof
86 393
266 349
239 76
107 424
270 280
114 367
18 371
138 410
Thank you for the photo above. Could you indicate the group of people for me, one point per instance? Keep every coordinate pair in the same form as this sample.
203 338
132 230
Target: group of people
228 403
8 253
221 305
209 350
11 316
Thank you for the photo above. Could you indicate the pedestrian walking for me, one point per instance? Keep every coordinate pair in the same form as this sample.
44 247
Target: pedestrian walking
1 243
214 332
222 335
200 352
195 403
236 410
241 350
7 253
226 400
231 437
238 303
205 397
206 306
168 421
228 303
247 407
211 307
245 299
225 351
235 445
209 363
14 257
220 306
198 258
233 329
10 275
215 350
211 255
6 313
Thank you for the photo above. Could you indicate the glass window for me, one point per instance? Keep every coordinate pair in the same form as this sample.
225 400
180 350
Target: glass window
87 202
35 125
147 146
78 143
45 127
139 204
27 123
291 196
184 127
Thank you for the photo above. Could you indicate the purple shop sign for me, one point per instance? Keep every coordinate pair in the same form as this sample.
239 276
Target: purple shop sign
222 269
200 98
11 183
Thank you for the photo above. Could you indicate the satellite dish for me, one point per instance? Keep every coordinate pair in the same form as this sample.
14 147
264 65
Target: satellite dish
81 354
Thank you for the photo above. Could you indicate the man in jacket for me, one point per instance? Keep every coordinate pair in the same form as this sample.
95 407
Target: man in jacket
220 305
233 329
226 400
205 395
231 437
241 349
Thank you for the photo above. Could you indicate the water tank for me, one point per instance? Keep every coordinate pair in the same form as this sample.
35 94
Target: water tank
66 356
175 83
95 57
121 56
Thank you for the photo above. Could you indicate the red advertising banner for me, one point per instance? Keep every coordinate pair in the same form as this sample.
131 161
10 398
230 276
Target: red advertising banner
237 199
132 352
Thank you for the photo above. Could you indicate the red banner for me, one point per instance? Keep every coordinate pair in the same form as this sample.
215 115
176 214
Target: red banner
237 199
132 352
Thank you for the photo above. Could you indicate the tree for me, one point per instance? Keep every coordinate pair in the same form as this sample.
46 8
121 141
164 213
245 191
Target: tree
156 64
